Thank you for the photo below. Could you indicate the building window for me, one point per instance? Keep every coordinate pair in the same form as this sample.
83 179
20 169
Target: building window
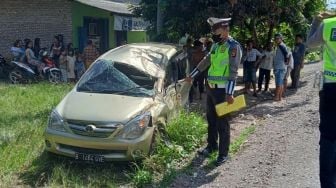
93 29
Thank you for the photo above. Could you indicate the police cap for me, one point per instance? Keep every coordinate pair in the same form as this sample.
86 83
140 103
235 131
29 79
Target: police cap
216 23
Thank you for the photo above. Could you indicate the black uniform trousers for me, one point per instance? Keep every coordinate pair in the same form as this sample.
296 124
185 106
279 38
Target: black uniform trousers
328 136
217 126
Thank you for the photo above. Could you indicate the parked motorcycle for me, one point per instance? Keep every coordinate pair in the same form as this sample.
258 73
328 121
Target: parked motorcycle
4 67
25 73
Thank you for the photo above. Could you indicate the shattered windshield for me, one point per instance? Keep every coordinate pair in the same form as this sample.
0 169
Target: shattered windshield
117 78
150 60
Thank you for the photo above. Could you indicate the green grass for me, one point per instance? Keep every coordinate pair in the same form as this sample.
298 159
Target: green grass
24 112
235 146
173 150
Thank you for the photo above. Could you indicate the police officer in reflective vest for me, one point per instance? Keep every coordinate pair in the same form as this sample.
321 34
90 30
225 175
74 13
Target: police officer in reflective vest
223 61
323 33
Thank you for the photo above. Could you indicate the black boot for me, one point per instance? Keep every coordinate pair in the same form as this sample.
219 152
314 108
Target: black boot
221 159
207 151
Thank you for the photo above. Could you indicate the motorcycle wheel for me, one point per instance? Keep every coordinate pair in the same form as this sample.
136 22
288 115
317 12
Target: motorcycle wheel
2 72
54 77
15 76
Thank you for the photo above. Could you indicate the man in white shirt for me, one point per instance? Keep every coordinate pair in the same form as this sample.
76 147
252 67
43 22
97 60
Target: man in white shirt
251 59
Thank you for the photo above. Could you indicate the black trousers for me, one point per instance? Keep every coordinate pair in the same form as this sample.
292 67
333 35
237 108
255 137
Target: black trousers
328 136
217 126
264 73
327 163
295 76
199 82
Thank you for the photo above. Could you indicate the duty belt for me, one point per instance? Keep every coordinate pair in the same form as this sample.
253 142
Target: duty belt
217 86
217 78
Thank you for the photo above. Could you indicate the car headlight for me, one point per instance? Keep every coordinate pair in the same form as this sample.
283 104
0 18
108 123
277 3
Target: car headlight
56 122
136 127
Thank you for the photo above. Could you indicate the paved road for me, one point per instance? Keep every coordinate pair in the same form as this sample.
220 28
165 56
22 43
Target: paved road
283 152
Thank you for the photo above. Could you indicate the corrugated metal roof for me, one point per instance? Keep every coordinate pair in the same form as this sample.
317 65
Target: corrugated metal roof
112 6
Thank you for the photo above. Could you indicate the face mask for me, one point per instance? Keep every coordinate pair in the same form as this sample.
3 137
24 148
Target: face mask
216 38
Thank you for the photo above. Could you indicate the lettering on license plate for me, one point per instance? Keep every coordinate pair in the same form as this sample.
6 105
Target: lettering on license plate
89 157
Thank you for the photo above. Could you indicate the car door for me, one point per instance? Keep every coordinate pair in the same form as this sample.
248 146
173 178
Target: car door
182 87
177 90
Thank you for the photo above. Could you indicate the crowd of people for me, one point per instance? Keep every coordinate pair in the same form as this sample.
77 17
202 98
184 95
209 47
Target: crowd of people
69 60
274 56
278 57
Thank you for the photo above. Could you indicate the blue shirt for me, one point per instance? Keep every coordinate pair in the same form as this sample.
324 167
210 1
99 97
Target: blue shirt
280 57
17 52
79 66
298 53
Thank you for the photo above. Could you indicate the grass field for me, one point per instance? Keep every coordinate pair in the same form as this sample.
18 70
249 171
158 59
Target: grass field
24 112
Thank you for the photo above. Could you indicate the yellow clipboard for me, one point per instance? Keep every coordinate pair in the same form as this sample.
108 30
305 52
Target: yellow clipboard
225 108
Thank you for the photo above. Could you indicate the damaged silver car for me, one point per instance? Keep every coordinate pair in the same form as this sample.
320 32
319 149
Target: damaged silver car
112 112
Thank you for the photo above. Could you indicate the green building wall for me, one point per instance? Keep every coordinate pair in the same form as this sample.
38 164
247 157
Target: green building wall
79 11
136 36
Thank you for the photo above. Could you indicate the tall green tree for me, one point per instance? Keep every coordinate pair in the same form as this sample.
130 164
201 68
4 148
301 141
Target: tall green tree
255 19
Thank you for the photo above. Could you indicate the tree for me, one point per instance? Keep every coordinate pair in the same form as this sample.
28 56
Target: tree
255 19
261 18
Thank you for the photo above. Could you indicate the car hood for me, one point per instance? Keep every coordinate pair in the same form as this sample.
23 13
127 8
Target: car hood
101 107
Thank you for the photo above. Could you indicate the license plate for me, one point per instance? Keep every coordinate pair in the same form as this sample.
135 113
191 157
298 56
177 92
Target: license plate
89 157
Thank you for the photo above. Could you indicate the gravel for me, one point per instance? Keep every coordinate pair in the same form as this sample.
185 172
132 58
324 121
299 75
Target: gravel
283 151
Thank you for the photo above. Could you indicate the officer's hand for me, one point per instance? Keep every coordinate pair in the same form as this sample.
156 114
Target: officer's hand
230 99
188 79
324 15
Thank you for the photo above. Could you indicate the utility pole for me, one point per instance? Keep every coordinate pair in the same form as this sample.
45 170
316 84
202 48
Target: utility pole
159 17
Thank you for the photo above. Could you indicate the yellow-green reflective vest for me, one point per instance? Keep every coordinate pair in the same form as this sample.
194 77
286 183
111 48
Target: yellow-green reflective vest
329 51
219 69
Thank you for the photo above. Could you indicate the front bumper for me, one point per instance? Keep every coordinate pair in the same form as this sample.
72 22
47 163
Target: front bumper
113 149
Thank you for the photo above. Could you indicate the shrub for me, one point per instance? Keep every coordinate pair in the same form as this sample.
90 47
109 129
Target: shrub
184 134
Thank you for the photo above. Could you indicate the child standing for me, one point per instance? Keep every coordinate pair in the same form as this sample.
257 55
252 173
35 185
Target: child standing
71 66
63 63
79 66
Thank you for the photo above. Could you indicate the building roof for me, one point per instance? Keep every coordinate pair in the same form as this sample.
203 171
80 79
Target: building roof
115 6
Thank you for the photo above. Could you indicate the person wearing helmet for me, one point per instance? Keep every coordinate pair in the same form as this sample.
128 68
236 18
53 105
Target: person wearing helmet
223 61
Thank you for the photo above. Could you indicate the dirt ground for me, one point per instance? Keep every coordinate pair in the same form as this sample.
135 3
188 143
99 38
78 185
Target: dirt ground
283 151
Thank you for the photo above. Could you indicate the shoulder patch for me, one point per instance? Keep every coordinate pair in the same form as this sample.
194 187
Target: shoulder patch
333 34
234 52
